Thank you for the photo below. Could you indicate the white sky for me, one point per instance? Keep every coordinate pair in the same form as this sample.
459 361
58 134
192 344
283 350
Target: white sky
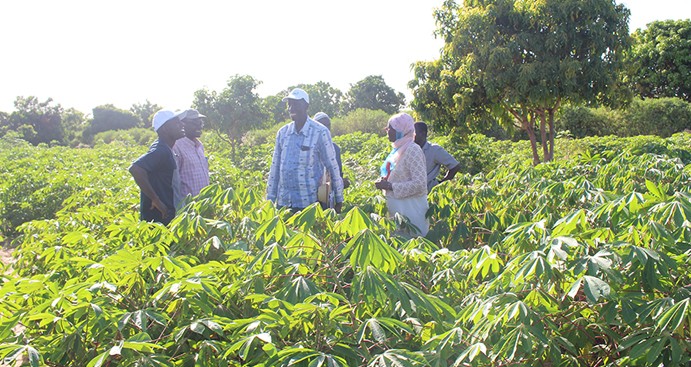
84 53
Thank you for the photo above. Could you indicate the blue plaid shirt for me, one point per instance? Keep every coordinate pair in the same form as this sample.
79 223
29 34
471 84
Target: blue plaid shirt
298 164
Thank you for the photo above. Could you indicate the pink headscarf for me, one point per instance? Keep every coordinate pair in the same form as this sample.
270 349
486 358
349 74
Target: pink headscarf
402 123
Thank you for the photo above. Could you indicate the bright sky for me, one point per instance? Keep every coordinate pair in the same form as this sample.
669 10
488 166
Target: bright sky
84 53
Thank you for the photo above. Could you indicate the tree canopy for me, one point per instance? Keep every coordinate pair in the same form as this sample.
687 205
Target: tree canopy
145 112
660 60
37 122
234 110
518 61
108 117
374 94
323 97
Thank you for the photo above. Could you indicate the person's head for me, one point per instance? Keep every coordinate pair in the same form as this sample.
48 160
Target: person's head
167 124
323 119
193 123
298 101
420 133
399 126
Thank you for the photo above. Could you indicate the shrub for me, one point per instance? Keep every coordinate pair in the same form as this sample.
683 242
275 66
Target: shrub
136 136
360 120
582 121
662 117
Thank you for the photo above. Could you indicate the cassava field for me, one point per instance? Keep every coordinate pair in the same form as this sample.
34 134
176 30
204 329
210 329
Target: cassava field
580 262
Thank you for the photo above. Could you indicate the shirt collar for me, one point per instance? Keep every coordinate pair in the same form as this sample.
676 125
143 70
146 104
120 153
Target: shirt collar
187 141
305 129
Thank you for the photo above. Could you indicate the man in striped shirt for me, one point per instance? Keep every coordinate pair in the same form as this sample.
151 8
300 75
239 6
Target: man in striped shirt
193 167
303 149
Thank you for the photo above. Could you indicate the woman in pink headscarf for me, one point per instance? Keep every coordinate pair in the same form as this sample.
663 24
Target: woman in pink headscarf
404 174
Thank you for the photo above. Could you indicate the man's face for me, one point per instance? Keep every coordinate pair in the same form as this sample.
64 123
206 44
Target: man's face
326 122
193 127
420 137
297 109
174 129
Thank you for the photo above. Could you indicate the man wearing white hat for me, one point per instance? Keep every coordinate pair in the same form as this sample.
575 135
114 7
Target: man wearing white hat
303 149
153 171
193 167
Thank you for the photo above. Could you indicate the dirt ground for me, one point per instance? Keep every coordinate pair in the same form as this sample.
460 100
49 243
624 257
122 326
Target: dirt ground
6 256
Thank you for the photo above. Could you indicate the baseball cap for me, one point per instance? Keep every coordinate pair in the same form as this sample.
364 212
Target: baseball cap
163 116
320 115
192 114
297 93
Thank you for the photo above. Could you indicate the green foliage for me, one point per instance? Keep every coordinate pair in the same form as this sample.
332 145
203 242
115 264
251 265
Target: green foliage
323 98
476 153
145 111
579 262
37 122
518 61
109 117
661 117
360 120
35 183
135 136
582 121
373 93
233 111
659 63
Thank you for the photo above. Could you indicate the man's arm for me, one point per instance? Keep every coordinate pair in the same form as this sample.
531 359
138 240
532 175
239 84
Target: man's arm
274 171
327 155
141 177
447 160
451 173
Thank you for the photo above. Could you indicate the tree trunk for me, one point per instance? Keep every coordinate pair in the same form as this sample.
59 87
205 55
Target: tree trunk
543 136
528 126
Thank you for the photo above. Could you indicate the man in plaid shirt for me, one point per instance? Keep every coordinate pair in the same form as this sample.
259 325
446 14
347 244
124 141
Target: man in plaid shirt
193 166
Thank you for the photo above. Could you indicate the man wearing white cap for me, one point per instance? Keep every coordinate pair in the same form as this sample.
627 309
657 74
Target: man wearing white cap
303 149
153 171
193 167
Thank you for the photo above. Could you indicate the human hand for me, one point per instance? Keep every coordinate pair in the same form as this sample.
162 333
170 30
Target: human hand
383 184
158 205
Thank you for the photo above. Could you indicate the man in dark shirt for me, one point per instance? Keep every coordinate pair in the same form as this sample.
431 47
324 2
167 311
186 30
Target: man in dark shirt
325 120
153 171
435 157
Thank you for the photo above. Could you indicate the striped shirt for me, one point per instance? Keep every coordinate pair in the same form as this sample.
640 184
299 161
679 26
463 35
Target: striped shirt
298 164
193 167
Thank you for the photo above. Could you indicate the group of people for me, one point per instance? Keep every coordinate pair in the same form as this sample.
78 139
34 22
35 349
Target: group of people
306 167
174 167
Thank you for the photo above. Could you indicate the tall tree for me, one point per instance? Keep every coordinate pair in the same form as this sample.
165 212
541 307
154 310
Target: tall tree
275 107
145 112
323 97
234 111
73 123
519 60
108 117
660 60
39 122
374 94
